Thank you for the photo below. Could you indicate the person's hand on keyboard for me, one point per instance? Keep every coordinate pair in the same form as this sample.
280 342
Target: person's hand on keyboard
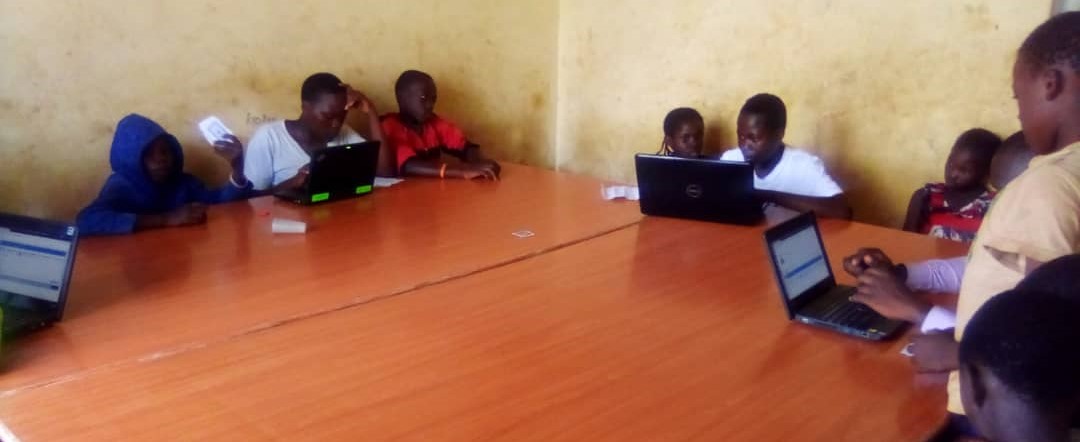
867 258
884 291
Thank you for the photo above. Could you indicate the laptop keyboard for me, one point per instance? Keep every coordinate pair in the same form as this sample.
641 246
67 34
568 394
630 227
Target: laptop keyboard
19 320
851 314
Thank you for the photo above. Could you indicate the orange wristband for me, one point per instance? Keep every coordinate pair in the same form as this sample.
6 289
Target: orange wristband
442 171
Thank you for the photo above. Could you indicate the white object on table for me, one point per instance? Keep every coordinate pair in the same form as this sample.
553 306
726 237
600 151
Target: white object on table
279 225
630 193
383 182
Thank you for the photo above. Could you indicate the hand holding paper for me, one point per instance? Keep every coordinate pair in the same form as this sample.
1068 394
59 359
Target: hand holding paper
214 130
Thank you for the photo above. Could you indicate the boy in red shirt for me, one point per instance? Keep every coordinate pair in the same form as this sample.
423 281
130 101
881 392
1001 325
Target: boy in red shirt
418 137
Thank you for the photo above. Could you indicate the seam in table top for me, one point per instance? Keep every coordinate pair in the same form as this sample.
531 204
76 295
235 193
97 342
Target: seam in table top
270 325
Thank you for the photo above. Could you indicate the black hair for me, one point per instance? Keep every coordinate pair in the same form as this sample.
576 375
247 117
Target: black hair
770 107
1010 160
981 142
409 78
675 119
1056 41
1014 141
1059 277
1027 339
319 84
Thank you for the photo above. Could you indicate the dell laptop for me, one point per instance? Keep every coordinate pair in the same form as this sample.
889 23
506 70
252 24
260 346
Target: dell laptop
808 289
36 259
700 189
336 173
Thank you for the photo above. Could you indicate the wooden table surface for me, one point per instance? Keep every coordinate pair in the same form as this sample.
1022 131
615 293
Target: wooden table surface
154 293
667 330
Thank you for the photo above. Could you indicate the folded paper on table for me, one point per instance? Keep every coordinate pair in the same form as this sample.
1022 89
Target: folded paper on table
625 192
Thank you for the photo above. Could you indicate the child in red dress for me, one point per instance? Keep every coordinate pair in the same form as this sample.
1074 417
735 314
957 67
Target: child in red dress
955 209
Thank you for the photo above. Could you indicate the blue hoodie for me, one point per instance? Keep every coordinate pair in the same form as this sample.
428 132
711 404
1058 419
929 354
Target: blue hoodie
130 192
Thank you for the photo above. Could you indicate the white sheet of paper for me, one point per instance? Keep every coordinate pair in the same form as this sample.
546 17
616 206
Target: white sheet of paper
630 193
213 129
938 320
383 182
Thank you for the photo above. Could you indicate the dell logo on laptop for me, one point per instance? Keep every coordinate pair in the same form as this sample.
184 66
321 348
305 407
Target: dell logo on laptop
694 191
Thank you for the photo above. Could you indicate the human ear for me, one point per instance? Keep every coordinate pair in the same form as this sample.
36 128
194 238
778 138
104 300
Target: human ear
1052 81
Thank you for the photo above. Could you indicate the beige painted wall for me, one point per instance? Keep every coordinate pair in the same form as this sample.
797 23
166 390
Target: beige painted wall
72 69
879 88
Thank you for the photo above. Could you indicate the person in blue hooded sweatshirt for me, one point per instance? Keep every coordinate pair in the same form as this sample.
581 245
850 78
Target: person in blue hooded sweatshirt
149 189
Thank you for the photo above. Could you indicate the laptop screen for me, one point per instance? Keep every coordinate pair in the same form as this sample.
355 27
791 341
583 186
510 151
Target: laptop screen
33 265
801 263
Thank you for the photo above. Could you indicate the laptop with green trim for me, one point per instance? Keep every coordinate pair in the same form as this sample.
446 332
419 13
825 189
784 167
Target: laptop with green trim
336 173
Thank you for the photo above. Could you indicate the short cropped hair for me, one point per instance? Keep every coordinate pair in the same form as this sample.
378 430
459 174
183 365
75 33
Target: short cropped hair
1028 339
409 78
319 84
679 117
1055 42
770 107
981 142
1058 277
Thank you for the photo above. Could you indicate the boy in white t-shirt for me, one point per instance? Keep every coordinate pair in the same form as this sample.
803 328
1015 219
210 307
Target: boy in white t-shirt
279 152
783 175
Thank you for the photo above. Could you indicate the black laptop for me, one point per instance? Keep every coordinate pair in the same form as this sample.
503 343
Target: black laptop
700 189
336 173
808 289
36 259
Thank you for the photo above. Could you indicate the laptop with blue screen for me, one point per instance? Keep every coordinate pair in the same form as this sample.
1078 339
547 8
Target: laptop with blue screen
808 289
36 259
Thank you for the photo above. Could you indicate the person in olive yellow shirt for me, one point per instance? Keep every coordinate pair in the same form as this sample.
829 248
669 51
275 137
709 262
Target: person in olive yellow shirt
1033 221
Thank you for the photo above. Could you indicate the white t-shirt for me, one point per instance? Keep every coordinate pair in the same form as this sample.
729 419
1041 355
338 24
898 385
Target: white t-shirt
273 156
798 173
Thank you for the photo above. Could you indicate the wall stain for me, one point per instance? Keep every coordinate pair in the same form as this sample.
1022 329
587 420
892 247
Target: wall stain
979 18
538 101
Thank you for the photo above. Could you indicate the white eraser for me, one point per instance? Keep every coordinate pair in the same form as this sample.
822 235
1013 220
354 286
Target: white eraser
279 225
625 192
383 182
213 129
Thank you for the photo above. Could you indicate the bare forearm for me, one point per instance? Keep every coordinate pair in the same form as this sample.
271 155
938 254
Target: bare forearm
387 164
829 207
374 125
238 176
286 185
915 214
432 168
473 155
911 223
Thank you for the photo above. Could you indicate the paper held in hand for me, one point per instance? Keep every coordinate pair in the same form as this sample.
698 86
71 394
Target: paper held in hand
213 129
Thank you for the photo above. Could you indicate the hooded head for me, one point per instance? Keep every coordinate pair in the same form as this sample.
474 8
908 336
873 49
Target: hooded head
145 154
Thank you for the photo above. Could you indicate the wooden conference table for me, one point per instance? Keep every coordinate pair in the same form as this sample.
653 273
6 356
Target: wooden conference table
437 324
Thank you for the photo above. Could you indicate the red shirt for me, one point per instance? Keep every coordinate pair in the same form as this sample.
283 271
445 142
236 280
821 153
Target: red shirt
406 144
955 223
